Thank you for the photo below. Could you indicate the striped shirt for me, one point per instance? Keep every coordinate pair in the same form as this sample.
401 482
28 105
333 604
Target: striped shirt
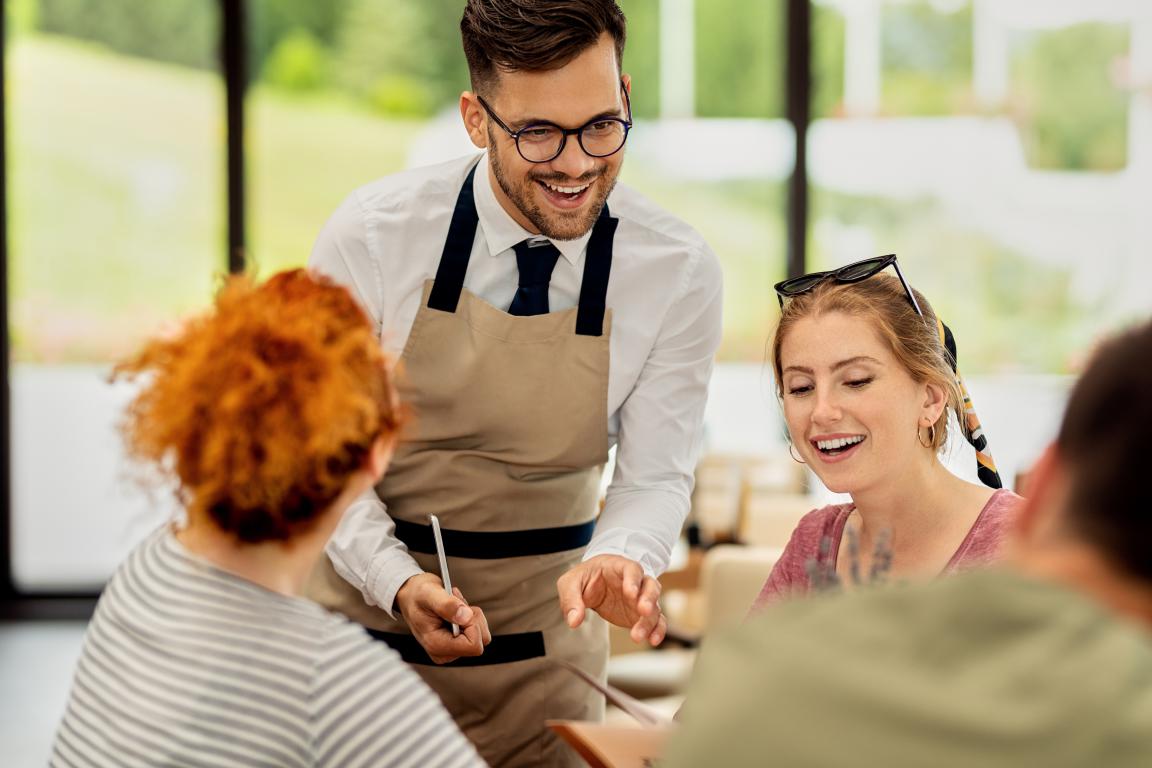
186 664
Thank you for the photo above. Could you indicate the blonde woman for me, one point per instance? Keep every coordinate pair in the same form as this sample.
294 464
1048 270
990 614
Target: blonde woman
867 384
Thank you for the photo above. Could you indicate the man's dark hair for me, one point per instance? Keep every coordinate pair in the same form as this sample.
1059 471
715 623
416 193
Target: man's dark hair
533 35
1104 442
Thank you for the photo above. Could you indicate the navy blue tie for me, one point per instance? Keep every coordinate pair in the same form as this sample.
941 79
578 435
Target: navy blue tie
535 261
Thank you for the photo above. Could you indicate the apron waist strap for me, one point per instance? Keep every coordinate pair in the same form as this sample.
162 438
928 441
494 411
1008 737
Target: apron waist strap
495 545
502 650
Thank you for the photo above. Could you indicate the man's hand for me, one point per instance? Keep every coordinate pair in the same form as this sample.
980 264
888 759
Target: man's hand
617 589
426 606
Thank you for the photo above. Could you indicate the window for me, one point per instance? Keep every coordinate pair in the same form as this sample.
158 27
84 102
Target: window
115 228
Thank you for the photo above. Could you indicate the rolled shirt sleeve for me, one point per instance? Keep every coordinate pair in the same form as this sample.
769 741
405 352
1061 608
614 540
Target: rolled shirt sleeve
365 552
661 426
363 549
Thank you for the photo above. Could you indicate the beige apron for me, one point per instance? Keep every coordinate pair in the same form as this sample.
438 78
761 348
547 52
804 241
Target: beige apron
507 448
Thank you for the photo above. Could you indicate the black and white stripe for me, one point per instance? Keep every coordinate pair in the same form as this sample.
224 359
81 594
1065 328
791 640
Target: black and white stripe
185 664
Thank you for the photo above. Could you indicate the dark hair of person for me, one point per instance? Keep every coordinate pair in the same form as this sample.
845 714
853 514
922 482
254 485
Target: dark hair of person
533 35
261 409
1103 441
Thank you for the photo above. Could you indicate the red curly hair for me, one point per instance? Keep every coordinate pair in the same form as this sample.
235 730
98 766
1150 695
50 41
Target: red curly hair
262 408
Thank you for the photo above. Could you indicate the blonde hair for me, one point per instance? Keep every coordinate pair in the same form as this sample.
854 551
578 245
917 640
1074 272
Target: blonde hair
880 300
262 408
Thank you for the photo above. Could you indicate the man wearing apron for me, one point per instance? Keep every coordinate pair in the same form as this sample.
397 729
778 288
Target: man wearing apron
541 315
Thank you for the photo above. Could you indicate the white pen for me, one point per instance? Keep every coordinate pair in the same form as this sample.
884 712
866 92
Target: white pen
443 563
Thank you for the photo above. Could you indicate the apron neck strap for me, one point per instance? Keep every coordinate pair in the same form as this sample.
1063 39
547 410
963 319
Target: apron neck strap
597 267
449 282
457 250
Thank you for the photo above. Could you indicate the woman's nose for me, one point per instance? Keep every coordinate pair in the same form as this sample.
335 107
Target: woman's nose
827 408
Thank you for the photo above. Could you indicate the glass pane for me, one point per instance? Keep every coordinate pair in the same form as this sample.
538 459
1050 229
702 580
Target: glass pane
115 174
343 93
1003 151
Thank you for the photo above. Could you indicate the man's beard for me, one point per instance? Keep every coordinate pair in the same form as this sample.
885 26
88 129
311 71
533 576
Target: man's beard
556 225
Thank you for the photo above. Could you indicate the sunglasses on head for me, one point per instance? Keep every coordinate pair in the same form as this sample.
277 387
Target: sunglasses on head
851 273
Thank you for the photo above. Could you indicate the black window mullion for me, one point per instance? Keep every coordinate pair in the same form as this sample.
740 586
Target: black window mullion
798 90
7 585
234 62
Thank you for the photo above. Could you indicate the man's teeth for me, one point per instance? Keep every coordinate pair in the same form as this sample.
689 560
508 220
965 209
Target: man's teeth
839 442
566 190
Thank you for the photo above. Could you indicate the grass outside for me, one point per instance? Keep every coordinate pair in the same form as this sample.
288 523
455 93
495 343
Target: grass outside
116 182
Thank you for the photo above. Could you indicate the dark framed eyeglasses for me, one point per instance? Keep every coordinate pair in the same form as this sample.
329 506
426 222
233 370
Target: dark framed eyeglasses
850 273
543 142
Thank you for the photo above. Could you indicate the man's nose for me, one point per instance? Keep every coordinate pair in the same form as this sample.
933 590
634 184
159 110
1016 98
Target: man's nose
573 161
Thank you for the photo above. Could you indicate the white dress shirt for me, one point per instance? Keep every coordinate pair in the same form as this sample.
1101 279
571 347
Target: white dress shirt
386 239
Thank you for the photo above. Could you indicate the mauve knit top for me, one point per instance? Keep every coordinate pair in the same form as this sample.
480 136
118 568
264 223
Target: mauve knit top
789 577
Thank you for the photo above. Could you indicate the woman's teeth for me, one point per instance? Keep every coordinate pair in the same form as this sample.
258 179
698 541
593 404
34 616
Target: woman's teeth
838 443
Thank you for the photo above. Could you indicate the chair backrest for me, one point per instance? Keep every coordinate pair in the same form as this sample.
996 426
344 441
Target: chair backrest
731 577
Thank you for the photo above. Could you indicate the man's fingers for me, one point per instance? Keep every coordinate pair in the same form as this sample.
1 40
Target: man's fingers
658 634
448 607
649 600
570 587
632 575
442 647
644 627
481 621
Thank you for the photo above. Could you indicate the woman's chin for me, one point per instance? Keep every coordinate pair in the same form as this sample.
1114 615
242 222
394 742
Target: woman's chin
836 483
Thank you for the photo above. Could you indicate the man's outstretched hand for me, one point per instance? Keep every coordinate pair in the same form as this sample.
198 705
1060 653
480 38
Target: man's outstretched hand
617 589
426 607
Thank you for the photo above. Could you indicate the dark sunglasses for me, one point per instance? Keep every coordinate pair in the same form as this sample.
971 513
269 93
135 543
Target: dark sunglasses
851 273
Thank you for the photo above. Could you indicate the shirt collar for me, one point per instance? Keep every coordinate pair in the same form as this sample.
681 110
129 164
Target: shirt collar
501 231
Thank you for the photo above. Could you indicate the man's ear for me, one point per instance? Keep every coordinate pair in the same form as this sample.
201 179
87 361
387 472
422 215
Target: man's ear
472 113
627 80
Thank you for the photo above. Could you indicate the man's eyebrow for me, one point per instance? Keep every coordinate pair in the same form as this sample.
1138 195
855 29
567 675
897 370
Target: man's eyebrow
835 366
517 125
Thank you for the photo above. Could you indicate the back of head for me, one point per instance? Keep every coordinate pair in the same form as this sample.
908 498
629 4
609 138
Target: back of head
262 409
1103 444
881 302
533 35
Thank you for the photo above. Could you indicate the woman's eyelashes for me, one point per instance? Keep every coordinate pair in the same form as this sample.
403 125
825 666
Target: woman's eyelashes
798 389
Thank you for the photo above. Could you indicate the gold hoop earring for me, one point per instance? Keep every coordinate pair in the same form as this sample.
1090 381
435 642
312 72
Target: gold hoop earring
931 436
792 453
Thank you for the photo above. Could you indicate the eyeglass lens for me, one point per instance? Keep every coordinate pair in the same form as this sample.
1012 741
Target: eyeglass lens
862 269
543 142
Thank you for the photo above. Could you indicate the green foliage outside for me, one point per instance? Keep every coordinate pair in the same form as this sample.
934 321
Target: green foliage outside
927 59
642 55
175 31
739 58
1071 115
402 57
827 61
272 22
1008 312
298 63
116 182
